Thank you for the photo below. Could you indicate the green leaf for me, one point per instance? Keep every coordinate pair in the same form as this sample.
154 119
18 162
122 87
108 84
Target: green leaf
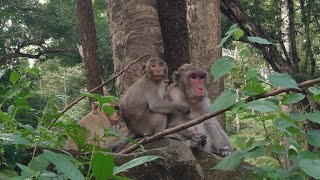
283 80
244 53
109 110
14 77
230 32
253 87
313 137
13 138
39 163
26 171
5 117
258 40
292 98
102 165
310 167
221 67
64 165
262 106
314 90
314 116
133 163
238 34
225 100
2 72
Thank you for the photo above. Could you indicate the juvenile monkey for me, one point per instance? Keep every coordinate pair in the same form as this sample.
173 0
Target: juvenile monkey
95 122
190 89
143 108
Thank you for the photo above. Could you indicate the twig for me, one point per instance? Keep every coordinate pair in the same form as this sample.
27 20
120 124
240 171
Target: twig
101 85
210 115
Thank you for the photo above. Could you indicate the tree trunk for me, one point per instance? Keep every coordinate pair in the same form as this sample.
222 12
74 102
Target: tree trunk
135 31
204 27
89 43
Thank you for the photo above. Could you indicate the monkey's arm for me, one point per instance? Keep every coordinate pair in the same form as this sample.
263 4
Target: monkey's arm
162 106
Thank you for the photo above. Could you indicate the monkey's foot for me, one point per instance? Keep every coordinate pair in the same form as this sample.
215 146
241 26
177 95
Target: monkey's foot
198 140
223 152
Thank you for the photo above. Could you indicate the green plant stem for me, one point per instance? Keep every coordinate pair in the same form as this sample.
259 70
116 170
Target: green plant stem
89 169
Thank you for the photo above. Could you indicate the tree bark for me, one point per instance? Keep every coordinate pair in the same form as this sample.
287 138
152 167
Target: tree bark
89 43
135 31
234 12
204 26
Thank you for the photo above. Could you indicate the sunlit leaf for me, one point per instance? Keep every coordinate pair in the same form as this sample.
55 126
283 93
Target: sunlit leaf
314 90
14 77
133 163
225 100
13 138
221 67
109 110
258 40
102 165
262 106
283 80
238 34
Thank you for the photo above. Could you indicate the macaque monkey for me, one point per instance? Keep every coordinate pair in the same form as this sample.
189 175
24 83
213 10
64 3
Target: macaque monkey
190 89
143 108
95 122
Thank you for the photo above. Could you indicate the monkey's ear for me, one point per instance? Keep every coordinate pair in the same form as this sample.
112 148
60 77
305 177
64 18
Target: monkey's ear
175 76
142 69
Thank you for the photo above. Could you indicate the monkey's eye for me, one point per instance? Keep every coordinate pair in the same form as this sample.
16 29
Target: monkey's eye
193 76
202 76
153 65
161 64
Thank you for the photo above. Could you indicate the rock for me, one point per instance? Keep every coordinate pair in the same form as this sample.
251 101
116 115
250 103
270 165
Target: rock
178 163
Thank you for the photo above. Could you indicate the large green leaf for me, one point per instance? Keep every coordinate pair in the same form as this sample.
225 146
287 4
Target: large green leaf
283 80
26 171
314 116
109 110
39 163
13 138
221 67
225 100
314 90
64 165
310 167
133 163
262 106
230 32
102 165
292 98
14 77
258 40
313 137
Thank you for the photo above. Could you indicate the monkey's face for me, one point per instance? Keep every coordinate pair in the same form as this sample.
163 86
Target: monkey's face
157 70
196 81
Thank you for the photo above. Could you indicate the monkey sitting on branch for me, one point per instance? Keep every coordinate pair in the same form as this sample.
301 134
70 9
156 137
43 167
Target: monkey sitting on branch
190 88
95 122
143 107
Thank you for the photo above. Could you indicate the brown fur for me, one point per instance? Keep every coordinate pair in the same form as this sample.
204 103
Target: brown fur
182 91
142 107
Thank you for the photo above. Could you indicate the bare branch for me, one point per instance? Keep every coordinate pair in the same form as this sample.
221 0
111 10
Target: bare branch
210 115
101 85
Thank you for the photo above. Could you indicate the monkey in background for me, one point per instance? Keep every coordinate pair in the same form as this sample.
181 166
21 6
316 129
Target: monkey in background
95 122
143 107
190 88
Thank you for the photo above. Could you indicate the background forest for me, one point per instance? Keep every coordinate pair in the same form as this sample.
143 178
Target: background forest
52 51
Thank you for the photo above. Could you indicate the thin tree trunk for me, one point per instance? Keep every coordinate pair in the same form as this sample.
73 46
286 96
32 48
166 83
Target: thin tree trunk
89 43
135 31
293 47
204 26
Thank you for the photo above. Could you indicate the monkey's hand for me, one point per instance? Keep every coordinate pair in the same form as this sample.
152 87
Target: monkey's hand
184 109
198 140
225 151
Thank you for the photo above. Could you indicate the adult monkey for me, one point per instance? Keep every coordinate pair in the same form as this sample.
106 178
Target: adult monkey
143 108
95 122
190 88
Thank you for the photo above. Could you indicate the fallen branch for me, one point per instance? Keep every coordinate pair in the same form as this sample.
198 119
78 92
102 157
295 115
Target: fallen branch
101 85
210 115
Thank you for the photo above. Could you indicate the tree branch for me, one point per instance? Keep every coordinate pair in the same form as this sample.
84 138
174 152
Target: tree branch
101 85
210 115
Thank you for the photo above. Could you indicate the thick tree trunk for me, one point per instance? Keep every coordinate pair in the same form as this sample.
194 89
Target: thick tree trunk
174 28
204 27
89 43
135 31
